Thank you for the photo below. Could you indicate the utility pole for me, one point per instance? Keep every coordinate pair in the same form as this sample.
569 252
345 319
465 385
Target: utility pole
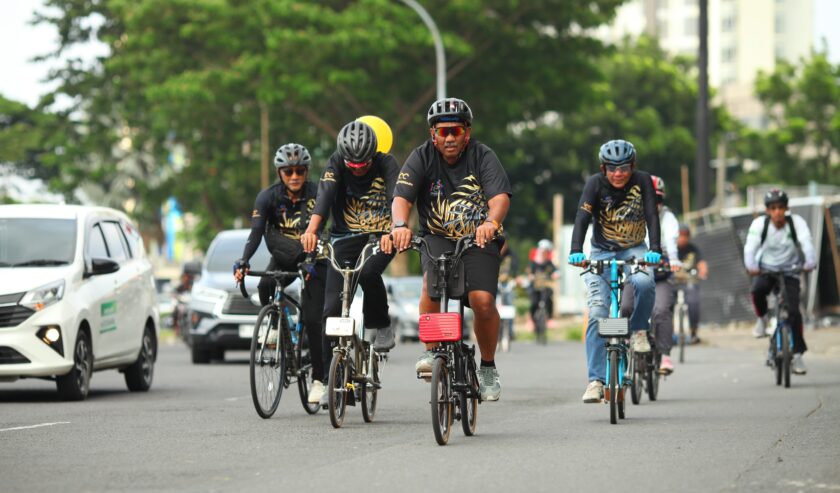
440 55
701 158
264 146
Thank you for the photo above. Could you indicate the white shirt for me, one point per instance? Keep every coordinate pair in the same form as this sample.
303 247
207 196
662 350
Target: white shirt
779 252
669 229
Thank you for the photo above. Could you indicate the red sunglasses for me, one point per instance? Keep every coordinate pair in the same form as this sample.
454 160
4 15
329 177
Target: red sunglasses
447 131
351 164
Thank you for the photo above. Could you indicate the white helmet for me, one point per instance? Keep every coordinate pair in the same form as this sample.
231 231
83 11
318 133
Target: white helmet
545 244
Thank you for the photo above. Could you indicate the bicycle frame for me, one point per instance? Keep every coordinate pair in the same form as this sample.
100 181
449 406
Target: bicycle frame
781 310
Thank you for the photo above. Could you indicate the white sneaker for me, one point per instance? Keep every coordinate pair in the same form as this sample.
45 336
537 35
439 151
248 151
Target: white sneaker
798 365
425 362
316 391
594 392
640 341
760 329
271 340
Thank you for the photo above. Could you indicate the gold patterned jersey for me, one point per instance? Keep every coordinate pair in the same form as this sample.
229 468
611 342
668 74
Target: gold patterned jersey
275 209
452 199
620 217
359 204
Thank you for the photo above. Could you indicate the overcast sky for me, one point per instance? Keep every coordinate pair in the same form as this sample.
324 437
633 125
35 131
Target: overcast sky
21 79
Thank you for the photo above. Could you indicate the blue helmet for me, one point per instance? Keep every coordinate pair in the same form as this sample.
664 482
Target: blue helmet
617 152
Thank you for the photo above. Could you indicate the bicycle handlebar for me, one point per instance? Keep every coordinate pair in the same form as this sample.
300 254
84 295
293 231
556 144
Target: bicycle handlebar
462 244
372 244
598 266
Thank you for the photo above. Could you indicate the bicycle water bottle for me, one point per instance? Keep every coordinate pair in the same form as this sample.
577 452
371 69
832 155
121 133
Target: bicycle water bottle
294 328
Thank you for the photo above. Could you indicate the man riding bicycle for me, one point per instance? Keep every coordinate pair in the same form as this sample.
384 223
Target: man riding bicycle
778 242
280 214
541 273
357 187
621 204
662 317
691 260
461 189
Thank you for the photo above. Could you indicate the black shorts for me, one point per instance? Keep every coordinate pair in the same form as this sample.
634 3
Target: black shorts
481 265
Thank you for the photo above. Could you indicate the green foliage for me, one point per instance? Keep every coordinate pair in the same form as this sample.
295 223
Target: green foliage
643 96
802 141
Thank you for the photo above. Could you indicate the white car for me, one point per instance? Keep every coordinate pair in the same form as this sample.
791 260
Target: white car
77 295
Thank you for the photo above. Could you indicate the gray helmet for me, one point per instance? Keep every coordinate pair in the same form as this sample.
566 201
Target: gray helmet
450 110
356 142
292 154
776 196
617 152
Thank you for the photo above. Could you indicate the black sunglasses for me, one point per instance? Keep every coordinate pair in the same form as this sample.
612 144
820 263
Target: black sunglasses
294 171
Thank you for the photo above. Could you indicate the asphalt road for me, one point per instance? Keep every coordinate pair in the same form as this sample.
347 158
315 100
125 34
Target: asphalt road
721 424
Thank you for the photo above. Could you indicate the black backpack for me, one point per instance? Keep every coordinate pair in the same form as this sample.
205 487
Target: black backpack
789 220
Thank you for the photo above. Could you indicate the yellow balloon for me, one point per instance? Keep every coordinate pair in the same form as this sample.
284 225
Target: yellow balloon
384 136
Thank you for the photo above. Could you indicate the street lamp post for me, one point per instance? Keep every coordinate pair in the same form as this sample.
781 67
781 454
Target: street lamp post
440 55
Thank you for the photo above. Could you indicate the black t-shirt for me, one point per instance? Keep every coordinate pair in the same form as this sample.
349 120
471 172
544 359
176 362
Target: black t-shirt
689 256
620 216
452 199
274 209
359 204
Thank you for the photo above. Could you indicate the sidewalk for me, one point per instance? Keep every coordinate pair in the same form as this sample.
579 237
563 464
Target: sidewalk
823 342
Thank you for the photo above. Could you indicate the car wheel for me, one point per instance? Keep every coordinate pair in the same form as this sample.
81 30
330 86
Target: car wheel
200 356
138 376
75 385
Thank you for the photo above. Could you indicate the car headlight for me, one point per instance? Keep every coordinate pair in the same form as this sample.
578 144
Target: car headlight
44 296
208 294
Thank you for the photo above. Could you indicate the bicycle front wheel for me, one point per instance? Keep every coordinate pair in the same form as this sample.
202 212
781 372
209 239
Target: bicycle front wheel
370 391
653 375
469 399
682 333
540 322
637 374
441 403
613 386
267 362
303 375
786 355
337 388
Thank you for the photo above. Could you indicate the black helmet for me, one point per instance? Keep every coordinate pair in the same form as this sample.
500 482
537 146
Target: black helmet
775 196
449 110
356 142
292 154
617 152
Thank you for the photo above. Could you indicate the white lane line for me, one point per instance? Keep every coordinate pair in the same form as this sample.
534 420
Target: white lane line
35 426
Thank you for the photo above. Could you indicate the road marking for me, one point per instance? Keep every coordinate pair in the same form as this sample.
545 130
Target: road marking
35 426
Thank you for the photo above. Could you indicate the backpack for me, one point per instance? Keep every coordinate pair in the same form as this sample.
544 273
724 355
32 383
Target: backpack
790 225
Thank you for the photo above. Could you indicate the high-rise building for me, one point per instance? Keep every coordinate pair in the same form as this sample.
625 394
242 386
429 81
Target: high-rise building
745 37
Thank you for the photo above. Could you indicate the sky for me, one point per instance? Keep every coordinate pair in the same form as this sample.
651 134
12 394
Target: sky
22 80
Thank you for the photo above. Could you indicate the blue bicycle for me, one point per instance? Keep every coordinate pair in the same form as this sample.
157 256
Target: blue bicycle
616 332
780 354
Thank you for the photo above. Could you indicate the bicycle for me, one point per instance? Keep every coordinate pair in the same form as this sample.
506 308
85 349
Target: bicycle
507 315
454 374
616 331
541 314
780 354
681 312
354 368
279 347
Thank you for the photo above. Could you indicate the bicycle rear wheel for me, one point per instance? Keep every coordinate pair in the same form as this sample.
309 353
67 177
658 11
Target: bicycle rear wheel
441 403
267 362
469 399
540 321
613 387
637 374
786 355
305 365
369 391
337 388
682 333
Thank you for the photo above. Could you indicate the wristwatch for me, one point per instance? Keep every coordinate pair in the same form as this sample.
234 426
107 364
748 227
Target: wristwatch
400 224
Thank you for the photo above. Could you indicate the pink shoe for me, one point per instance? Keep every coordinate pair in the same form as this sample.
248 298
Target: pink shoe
665 366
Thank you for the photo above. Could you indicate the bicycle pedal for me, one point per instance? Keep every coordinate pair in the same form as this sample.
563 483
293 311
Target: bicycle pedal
424 375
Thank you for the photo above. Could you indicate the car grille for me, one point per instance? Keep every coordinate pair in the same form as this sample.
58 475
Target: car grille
9 356
7 299
236 304
12 315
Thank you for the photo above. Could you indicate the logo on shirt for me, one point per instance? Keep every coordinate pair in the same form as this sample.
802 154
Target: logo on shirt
436 189
255 213
403 178
328 176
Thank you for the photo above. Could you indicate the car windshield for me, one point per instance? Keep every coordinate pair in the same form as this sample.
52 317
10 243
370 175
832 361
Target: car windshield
36 242
228 249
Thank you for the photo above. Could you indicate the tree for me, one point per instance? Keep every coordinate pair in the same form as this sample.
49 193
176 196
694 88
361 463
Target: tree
802 141
643 96
197 74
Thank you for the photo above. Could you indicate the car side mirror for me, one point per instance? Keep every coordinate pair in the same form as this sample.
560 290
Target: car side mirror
99 266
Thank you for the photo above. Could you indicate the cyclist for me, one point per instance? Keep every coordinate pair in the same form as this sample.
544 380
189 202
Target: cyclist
507 281
280 215
461 189
621 204
777 241
662 317
691 259
357 187
541 273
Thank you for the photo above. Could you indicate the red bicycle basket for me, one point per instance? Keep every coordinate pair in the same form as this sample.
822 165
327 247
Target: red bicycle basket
440 327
